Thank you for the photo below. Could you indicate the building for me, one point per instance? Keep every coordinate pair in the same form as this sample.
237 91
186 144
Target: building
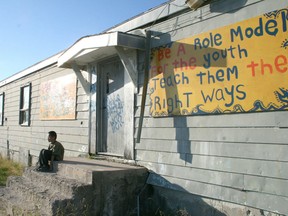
199 97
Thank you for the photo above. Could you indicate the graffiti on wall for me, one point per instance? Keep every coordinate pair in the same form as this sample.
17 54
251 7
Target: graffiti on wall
238 68
83 149
115 111
58 98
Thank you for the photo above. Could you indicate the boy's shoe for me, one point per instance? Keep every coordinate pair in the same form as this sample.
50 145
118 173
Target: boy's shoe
43 169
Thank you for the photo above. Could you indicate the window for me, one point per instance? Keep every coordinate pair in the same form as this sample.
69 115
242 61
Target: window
1 109
25 105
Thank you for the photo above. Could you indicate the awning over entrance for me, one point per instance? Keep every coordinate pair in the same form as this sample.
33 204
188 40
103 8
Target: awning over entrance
94 47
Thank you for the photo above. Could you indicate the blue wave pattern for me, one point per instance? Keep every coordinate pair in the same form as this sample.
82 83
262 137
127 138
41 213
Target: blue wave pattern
276 13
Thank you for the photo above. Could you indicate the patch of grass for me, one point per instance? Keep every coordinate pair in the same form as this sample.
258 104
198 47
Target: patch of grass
9 168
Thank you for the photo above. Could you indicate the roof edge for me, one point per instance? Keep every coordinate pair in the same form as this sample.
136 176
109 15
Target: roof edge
36 67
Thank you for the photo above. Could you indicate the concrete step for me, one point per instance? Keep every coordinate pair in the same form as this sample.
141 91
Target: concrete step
79 186
84 170
116 184
71 169
55 182
11 204
47 200
51 192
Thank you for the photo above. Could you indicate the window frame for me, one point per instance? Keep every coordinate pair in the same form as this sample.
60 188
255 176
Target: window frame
25 112
2 99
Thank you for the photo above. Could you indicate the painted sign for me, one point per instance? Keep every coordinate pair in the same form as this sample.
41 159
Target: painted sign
58 98
237 68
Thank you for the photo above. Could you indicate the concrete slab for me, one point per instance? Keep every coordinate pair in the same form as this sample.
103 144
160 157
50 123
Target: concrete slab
98 164
115 185
83 169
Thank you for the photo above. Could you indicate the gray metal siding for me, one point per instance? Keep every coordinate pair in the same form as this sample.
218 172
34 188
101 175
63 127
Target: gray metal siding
239 158
73 134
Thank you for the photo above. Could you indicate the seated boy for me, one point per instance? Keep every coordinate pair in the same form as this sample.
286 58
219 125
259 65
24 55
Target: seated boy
55 152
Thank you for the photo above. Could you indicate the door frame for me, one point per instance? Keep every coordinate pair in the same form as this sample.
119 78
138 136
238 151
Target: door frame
129 97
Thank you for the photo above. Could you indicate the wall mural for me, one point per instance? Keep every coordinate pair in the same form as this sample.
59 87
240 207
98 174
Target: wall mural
233 69
58 98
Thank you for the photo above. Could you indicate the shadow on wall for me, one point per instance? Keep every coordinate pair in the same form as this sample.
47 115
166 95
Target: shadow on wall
163 198
182 138
221 6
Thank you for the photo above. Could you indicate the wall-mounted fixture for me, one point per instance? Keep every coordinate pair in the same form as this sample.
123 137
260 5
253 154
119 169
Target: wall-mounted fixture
194 4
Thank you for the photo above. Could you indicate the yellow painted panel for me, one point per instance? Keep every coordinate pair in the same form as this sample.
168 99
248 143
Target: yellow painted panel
238 68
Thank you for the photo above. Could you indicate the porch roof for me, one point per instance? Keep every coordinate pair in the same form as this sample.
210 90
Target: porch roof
91 48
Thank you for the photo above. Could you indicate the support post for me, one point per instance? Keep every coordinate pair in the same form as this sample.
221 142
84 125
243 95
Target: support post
8 150
81 78
145 84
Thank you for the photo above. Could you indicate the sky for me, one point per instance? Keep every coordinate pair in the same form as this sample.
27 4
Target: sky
34 30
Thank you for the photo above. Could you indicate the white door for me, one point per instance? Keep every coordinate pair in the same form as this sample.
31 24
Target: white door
112 108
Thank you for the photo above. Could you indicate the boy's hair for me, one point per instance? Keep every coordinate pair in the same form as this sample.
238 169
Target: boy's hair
52 134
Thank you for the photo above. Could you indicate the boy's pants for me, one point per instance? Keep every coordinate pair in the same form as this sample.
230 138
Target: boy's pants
44 157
